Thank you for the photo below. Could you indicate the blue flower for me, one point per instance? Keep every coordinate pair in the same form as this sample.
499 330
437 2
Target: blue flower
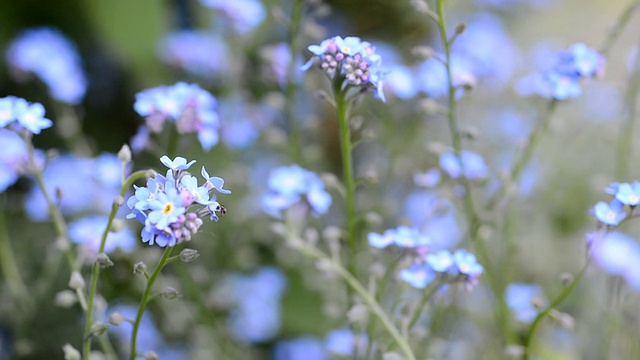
197 52
301 348
14 158
618 254
242 15
256 316
88 232
288 184
213 182
519 296
383 240
418 275
562 80
165 205
7 113
467 264
442 261
165 209
351 58
191 108
344 342
628 194
609 214
179 163
53 58
473 165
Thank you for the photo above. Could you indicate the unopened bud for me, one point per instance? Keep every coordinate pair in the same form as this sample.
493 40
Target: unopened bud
116 318
150 355
76 282
170 293
124 154
119 200
422 53
99 328
62 243
139 268
65 299
188 255
420 6
537 302
566 278
460 28
70 353
103 260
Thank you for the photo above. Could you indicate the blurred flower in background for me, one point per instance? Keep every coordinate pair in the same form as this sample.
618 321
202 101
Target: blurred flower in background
48 54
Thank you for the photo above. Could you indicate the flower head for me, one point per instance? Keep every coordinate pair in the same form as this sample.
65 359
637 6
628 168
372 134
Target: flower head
23 115
352 59
191 108
165 205
288 185
53 58
609 214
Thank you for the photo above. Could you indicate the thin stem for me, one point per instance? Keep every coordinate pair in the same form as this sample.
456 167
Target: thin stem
523 160
621 23
347 171
368 298
59 223
95 273
625 142
469 206
145 299
426 296
561 296
10 267
291 87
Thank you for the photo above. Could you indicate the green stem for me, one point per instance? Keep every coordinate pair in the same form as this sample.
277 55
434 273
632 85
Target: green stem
621 23
347 170
145 299
291 87
521 162
59 223
469 206
561 296
625 141
426 296
95 273
10 267
368 298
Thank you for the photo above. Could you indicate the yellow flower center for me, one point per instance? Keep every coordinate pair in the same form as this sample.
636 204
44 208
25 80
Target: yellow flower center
167 208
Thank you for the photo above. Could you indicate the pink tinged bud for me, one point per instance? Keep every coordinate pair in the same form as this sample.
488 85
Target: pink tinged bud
177 233
339 56
187 198
359 72
328 58
365 78
363 65
332 47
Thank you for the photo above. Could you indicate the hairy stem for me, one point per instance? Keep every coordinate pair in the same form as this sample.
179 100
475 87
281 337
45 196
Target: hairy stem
145 299
95 273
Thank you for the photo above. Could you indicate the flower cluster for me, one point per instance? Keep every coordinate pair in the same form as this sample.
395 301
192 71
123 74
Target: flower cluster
20 114
54 59
256 301
403 236
353 60
191 108
164 205
242 15
458 266
195 52
81 186
469 165
613 213
562 80
288 185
